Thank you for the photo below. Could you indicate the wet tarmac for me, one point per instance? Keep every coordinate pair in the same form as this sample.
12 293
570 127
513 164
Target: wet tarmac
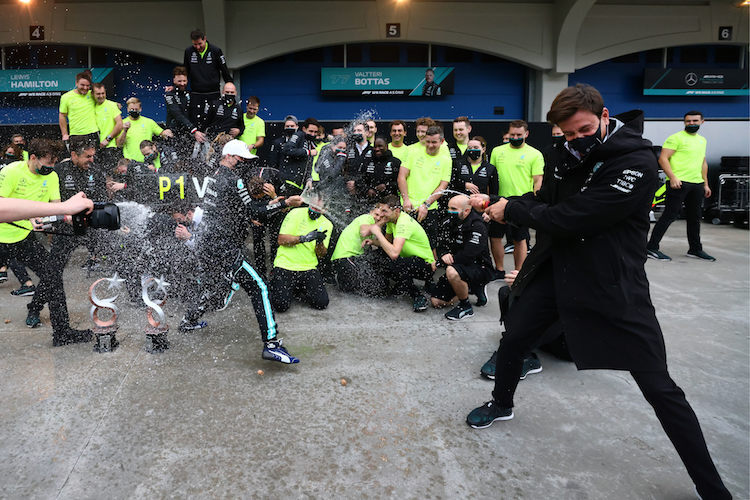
201 421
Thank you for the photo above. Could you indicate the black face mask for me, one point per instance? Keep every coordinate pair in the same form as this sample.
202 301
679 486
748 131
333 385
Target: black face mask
474 154
229 100
150 158
310 137
289 131
357 138
516 142
584 145
22 146
691 129
134 114
455 218
558 140
313 214
44 170
10 156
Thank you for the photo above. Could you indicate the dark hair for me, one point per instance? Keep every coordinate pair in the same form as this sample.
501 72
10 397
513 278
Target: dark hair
80 143
145 143
310 121
17 151
40 148
693 113
255 186
396 122
98 85
84 75
425 120
391 200
435 130
197 34
254 99
518 124
16 135
179 71
464 119
582 97
382 138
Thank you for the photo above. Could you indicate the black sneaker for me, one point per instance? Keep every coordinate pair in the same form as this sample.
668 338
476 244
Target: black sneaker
482 417
459 312
698 254
24 291
32 320
274 351
531 365
481 293
497 275
3 276
420 303
509 248
488 369
657 255
186 325
71 336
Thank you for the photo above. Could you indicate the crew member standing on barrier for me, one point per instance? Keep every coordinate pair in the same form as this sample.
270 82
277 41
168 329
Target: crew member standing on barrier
683 159
206 66
77 113
181 112
228 212
77 174
593 277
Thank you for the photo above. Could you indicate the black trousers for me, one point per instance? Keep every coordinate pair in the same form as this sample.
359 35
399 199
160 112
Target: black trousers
692 195
51 287
363 274
19 271
404 270
221 272
259 248
527 322
307 284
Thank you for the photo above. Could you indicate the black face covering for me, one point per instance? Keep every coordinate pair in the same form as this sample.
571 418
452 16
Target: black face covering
313 214
558 140
584 145
289 131
228 100
44 170
357 138
691 129
474 154
134 114
310 137
516 142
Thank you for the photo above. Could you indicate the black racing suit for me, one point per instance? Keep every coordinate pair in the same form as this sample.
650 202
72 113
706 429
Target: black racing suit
72 180
431 89
229 210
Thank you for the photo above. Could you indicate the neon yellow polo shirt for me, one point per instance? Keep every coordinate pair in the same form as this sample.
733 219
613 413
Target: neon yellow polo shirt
16 181
689 153
350 241
401 153
426 173
105 120
142 129
516 168
314 175
80 111
301 257
416 243
254 128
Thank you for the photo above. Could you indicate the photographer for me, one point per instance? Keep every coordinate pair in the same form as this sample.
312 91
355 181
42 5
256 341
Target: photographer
78 174
229 210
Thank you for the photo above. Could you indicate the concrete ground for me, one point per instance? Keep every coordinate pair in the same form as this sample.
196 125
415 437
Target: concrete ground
200 421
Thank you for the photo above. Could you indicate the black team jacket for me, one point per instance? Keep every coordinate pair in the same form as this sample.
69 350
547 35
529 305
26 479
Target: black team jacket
205 72
468 243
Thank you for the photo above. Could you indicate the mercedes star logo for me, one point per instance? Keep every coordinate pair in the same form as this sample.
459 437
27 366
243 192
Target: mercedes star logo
691 79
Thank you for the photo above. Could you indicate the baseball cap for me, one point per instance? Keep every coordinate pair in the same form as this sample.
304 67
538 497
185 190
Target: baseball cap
293 118
236 147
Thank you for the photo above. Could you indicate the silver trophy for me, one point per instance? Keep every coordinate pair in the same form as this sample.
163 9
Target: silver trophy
105 329
157 327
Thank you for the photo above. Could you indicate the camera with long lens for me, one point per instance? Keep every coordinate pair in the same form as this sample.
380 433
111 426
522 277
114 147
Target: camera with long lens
104 216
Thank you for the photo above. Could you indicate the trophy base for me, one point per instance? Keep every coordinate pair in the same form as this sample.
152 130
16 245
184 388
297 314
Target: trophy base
106 341
156 340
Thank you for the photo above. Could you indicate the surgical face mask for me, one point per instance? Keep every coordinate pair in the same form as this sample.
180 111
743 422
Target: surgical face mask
584 145
134 114
474 154
357 137
313 214
289 131
691 129
516 142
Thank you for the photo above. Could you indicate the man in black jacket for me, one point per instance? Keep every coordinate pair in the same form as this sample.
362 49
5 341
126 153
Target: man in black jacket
297 157
467 259
206 65
181 112
589 273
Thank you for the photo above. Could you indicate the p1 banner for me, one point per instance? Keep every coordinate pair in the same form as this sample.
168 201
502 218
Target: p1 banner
387 82
696 82
46 82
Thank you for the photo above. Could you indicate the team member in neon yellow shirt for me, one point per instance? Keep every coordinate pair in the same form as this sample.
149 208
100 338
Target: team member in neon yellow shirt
255 128
108 119
397 146
408 247
303 239
359 267
421 181
371 128
77 115
683 159
136 129
520 169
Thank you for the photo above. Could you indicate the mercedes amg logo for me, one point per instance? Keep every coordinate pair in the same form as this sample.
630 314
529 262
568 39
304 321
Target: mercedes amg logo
691 79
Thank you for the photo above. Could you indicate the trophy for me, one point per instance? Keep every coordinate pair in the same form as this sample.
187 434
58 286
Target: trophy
105 329
157 327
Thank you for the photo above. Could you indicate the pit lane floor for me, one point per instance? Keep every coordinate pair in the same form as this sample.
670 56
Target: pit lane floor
200 421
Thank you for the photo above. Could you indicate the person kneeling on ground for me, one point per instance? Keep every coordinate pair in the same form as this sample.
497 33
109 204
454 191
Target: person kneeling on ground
303 239
360 267
467 261
406 243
